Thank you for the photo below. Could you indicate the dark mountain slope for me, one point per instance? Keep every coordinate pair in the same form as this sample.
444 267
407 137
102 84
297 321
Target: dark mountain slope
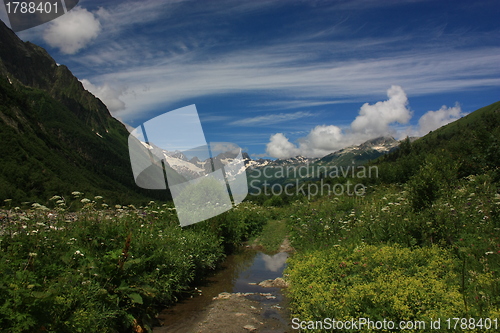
471 143
56 137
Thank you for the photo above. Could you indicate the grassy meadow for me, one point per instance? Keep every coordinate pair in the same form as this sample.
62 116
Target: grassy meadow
421 245
402 252
78 265
377 257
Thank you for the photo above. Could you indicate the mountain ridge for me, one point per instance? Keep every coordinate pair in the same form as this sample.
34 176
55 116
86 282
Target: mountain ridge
56 136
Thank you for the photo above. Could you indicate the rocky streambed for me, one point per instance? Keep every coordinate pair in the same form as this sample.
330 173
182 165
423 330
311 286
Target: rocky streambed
246 295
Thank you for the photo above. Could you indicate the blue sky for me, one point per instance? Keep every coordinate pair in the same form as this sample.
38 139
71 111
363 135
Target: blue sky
285 78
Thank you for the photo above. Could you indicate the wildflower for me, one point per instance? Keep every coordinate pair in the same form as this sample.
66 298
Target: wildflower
78 252
33 254
55 197
85 201
97 197
489 252
76 193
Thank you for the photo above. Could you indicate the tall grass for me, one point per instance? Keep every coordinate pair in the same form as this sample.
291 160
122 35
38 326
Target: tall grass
351 252
105 269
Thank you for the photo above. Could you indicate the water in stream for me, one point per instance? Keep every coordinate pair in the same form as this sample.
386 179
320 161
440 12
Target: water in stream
239 273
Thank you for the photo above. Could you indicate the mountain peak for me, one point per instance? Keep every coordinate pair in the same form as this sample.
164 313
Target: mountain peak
362 153
57 137
27 64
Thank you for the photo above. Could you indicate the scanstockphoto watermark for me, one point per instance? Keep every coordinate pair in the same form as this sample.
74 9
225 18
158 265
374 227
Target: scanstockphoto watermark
266 180
360 324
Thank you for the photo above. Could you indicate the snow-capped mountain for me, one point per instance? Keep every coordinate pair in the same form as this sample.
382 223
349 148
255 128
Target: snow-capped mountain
195 168
362 153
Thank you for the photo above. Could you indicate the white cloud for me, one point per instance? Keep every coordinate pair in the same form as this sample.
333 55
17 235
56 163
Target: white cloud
324 137
267 70
373 121
434 119
72 31
108 95
183 64
223 147
280 147
271 119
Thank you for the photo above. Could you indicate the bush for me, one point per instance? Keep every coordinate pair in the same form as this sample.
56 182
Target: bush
427 184
376 282
105 271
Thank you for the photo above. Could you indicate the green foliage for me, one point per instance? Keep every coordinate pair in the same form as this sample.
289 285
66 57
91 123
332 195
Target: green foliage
105 270
52 147
271 237
376 282
238 224
461 223
434 176
471 142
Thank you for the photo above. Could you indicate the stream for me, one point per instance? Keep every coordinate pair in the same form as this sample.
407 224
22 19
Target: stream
240 273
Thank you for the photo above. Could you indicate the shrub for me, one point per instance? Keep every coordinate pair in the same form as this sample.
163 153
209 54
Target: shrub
426 185
104 271
376 282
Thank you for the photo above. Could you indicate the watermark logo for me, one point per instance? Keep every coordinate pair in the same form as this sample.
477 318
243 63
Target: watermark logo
28 14
204 180
310 180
